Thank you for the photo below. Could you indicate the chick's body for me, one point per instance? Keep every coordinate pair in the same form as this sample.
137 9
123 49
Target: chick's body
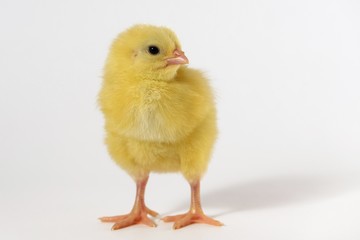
160 126
159 115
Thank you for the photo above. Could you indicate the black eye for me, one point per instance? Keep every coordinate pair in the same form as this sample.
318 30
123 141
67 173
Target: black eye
153 50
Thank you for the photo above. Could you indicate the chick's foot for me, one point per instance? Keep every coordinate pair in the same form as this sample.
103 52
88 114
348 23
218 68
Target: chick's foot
139 213
121 217
133 218
186 219
195 214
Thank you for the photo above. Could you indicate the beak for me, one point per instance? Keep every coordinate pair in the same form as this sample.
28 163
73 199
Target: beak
177 58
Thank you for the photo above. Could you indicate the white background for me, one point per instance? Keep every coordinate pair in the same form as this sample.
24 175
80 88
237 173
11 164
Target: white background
286 164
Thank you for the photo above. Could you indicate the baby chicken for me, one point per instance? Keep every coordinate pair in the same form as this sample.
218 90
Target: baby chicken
159 117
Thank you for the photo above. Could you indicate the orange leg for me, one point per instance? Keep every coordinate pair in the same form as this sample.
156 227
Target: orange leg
195 213
138 213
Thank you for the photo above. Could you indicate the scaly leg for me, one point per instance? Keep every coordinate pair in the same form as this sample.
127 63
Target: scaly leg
138 213
195 214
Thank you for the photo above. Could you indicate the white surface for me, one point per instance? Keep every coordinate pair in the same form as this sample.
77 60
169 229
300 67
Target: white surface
286 165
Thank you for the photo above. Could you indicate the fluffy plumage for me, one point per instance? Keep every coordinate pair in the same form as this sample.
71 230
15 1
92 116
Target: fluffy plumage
159 114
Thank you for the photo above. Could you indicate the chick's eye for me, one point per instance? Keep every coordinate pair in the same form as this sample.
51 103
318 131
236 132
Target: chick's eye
153 50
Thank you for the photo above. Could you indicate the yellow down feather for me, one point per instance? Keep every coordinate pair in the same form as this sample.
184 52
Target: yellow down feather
158 118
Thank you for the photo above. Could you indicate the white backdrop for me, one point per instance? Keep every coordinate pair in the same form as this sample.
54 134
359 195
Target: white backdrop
286 164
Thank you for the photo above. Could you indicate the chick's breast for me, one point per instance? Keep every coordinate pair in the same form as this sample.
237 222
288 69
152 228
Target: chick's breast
157 110
160 124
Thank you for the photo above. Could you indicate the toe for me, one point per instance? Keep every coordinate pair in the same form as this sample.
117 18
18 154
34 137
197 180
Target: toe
183 222
173 218
148 222
125 223
112 218
208 220
168 219
151 212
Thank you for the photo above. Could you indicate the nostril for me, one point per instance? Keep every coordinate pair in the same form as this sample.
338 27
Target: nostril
177 53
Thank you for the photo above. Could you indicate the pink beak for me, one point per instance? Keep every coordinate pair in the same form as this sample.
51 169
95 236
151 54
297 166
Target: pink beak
178 58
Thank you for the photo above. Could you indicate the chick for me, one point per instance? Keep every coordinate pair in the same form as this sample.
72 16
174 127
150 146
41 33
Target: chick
159 117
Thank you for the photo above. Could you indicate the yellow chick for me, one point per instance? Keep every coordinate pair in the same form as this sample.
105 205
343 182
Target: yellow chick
159 117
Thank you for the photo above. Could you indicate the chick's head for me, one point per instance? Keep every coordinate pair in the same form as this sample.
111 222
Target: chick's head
149 52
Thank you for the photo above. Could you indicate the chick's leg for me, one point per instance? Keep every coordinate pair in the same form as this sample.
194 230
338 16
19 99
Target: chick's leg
138 213
195 213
